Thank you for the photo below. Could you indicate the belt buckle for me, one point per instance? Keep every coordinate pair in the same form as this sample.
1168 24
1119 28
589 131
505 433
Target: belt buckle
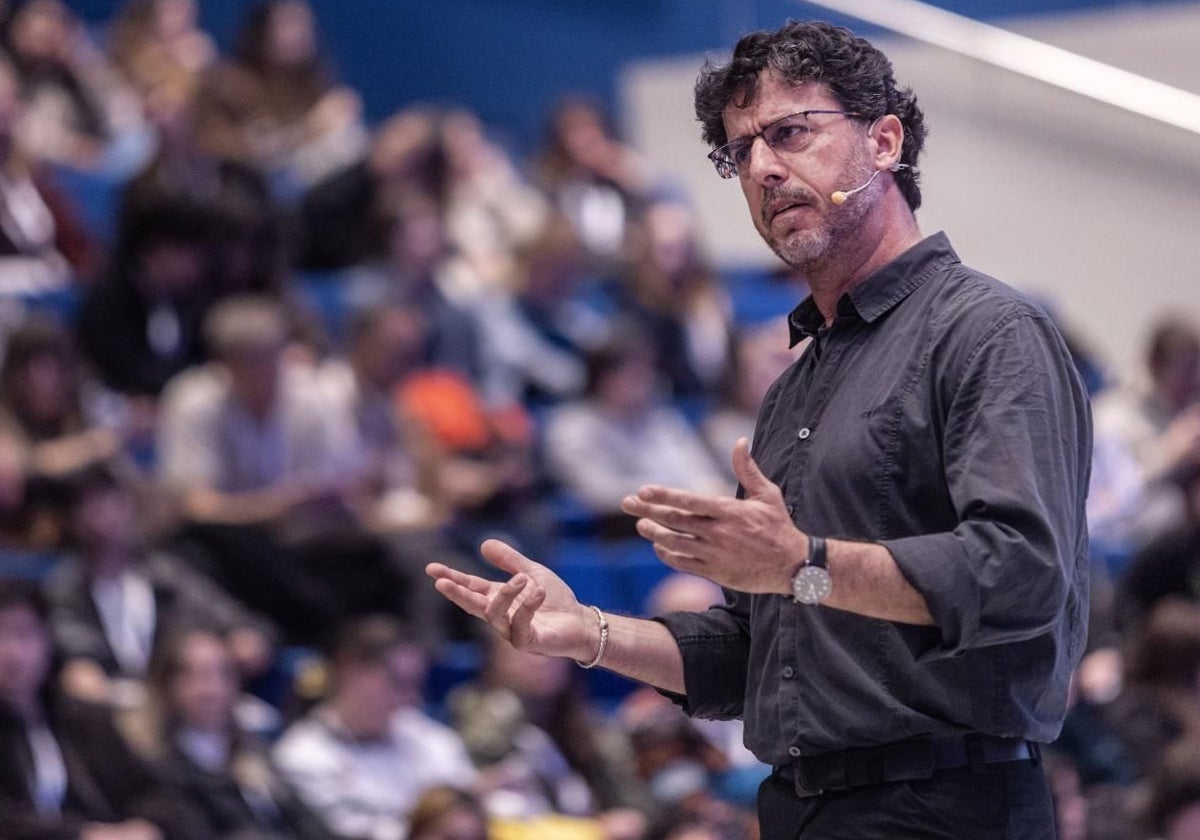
803 791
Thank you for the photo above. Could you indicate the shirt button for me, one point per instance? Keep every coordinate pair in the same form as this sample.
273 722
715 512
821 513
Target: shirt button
789 672
791 509
794 752
804 433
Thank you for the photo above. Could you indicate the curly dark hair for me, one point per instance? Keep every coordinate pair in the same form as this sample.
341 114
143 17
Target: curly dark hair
857 74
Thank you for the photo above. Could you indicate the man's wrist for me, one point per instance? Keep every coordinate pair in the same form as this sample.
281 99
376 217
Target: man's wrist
601 639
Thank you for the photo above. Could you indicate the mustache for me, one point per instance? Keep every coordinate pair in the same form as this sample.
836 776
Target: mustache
775 199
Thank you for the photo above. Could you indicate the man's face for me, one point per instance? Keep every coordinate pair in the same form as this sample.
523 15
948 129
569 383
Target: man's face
788 194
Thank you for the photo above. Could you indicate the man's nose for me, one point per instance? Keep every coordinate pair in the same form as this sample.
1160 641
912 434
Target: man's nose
765 165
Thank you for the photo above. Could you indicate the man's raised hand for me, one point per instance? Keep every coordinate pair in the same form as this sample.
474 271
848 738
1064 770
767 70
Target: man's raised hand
534 609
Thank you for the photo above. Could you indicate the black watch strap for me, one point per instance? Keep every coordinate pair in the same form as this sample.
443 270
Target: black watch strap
816 552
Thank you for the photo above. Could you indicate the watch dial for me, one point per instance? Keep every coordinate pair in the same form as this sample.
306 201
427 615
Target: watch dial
812 585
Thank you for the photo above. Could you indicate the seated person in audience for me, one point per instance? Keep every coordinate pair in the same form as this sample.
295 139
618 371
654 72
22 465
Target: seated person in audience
688 762
340 216
1169 565
490 211
1157 423
1159 703
188 730
1171 810
669 288
158 45
540 748
65 771
447 813
362 757
237 217
112 600
760 354
267 485
623 435
275 104
79 111
403 497
538 333
43 402
594 180
141 324
410 273
42 244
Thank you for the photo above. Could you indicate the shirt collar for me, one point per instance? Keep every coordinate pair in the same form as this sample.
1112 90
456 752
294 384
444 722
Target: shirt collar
880 291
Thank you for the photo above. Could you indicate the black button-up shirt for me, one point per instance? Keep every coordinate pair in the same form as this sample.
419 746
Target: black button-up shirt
939 415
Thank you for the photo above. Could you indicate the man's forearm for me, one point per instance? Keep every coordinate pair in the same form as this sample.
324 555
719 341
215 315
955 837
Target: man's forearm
641 650
868 581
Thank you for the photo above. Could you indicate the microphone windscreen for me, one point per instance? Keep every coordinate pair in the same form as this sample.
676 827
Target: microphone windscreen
838 197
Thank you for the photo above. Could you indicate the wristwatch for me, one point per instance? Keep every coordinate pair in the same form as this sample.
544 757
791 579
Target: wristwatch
811 584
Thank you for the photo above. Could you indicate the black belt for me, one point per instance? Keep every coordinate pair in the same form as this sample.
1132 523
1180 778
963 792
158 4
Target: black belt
901 761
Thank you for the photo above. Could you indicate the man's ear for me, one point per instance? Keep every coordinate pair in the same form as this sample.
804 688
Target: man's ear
888 134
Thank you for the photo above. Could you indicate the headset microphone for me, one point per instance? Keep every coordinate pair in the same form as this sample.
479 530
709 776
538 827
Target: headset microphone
839 196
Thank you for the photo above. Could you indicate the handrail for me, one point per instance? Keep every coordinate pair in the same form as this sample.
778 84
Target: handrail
1029 57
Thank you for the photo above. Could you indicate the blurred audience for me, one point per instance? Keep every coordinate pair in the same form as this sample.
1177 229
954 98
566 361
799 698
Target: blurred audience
141 325
112 601
78 110
64 769
43 245
343 219
362 758
760 353
159 47
275 104
1157 422
447 813
622 434
188 729
538 333
541 749
669 288
594 180
267 487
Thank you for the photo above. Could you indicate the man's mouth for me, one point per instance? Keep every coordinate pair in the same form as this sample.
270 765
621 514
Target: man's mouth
780 207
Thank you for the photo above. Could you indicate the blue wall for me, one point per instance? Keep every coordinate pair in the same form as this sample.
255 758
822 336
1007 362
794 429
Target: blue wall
509 60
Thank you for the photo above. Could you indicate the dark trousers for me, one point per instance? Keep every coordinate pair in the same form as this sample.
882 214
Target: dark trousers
1006 801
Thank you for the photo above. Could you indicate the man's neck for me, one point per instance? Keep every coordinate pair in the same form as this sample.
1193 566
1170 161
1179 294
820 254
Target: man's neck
882 240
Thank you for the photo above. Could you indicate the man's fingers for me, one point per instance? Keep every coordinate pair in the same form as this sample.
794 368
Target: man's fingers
746 469
667 537
684 500
462 597
503 556
498 605
522 617
438 571
673 518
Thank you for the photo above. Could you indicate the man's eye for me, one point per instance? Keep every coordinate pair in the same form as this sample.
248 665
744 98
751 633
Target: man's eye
740 153
784 135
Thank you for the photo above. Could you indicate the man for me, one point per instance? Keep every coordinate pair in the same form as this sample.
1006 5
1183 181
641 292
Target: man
905 567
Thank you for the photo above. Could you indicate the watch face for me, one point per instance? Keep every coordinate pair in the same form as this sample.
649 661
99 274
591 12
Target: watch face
811 585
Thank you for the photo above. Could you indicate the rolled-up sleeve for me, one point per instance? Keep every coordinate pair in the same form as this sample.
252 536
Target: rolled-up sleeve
1016 463
716 653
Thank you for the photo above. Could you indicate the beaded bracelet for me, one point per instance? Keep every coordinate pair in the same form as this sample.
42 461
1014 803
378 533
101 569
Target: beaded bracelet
603 640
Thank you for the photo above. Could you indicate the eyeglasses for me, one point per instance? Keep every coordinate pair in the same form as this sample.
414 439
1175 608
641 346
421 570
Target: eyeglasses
787 134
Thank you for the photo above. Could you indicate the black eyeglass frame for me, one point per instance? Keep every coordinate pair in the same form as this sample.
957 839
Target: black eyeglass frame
727 166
